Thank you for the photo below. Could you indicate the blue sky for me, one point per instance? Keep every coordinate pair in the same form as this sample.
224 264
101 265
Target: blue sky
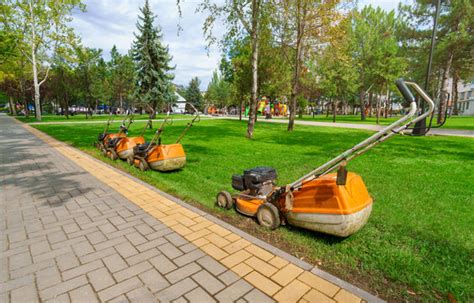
109 22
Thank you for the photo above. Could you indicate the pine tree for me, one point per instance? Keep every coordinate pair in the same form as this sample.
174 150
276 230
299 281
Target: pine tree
153 77
193 93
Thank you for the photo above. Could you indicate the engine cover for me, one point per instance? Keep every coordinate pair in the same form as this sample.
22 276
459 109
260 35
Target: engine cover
258 180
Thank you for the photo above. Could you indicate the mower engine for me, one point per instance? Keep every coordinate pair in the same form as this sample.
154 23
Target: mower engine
141 149
258 181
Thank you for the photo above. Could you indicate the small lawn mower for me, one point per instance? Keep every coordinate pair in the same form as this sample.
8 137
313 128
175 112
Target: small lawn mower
124 145
111 140
162 157
333 203
104 137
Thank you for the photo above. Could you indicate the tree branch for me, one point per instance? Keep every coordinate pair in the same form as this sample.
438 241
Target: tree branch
238 8
24 54
45 77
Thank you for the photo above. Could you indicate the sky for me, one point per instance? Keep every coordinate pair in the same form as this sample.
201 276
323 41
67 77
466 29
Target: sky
113 22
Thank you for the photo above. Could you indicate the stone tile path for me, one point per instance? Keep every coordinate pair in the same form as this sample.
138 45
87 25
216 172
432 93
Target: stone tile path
73 229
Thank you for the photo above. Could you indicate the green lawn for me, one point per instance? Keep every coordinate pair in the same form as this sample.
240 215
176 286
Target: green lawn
419 238
82 117
455 122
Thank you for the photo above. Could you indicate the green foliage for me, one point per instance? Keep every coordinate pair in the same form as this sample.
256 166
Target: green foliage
41 30
193 93
153 77
454 37
375 47
93 78
302 103
122 71
218 91
335 65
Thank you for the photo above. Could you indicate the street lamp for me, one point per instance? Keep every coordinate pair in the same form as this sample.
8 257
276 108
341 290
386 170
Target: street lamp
420 127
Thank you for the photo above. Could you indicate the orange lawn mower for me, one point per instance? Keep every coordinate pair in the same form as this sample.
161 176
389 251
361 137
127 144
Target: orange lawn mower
162 157
104 137
123 146
333 203
110 143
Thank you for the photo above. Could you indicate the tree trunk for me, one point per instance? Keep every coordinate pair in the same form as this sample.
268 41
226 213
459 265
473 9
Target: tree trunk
388 104
36 87
153 110
12 106
377 108
362 105
66 101
443 101
455 110
240 109
334 110
371 100
301 11
254 63
27 111
36 84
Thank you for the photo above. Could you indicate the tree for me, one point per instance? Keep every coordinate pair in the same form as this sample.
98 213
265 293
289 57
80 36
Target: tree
193 93
122 71
241 16
374 50
334 66
456 47
301 23
453 55
218 91
153 78
63 85
43 25
87 67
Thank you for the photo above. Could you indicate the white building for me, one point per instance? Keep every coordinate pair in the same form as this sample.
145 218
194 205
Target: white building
466 98
180 106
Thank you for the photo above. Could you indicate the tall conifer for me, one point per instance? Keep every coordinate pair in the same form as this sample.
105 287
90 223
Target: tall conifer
153 76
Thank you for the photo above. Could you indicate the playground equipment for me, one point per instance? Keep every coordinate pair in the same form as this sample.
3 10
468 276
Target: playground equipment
104 137
162 157
333 203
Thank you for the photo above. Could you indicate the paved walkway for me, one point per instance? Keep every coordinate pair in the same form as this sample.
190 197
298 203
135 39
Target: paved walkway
373 127
75 229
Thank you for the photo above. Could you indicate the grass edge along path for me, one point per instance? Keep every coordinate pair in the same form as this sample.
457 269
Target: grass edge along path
395 255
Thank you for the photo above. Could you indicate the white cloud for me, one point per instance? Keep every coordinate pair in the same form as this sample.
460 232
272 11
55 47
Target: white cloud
109 22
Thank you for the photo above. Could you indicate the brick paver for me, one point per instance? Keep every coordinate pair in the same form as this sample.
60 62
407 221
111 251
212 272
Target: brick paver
74 229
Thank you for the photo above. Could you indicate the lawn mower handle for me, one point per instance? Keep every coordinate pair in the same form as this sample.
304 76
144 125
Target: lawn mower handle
382 135
157 135
109 121
403 88
196 119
